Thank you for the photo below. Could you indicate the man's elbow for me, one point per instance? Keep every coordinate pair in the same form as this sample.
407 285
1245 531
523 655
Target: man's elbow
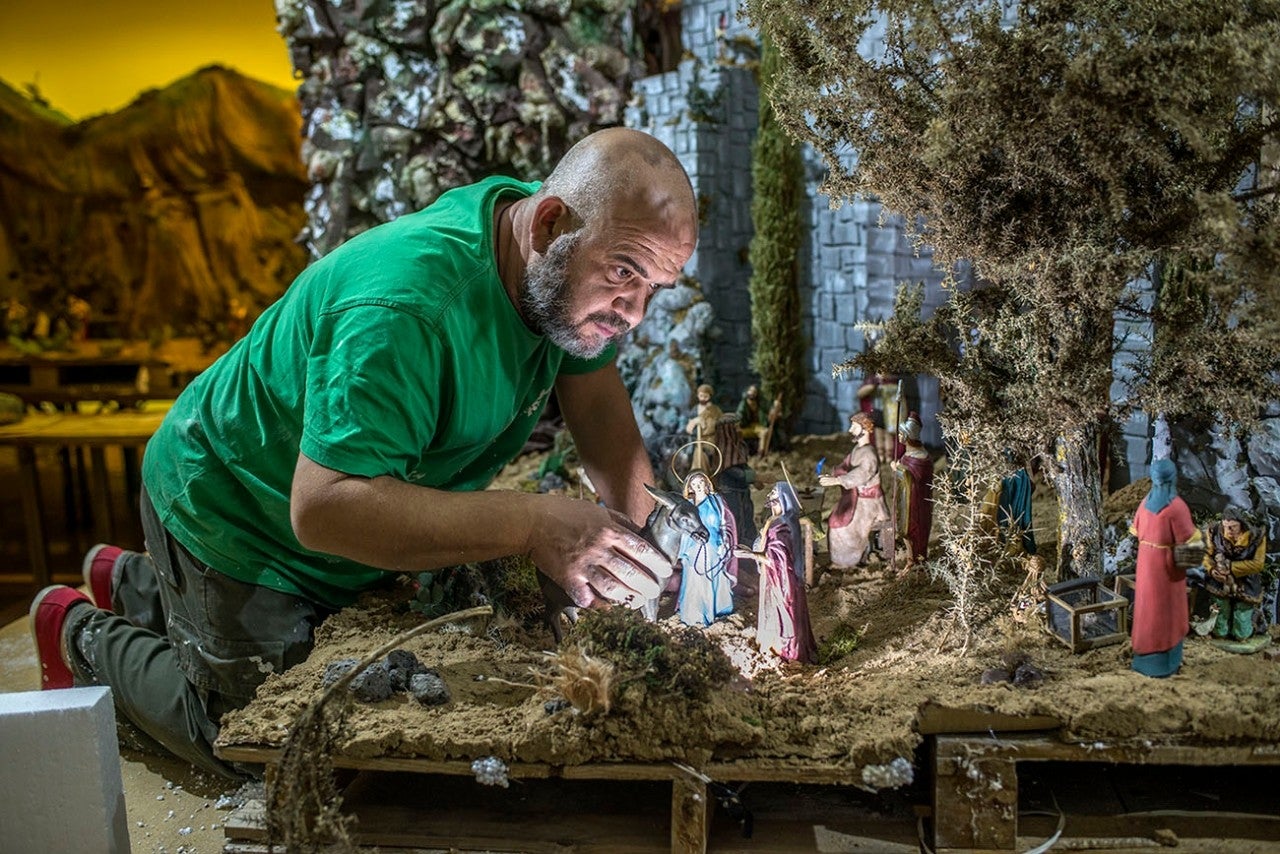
315 523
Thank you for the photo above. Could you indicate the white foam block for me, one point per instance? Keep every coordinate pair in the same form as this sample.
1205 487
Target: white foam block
60 784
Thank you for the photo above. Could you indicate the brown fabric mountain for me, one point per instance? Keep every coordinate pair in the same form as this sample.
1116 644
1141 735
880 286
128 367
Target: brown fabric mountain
158 215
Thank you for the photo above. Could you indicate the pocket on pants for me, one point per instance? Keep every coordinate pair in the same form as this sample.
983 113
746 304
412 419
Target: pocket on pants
232 668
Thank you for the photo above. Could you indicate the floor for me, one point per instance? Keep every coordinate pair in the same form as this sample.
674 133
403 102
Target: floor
171 808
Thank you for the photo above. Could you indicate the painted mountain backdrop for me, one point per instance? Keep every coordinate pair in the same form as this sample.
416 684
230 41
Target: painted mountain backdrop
175 215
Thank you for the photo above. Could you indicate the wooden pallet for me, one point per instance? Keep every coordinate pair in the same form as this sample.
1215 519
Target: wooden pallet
976 784
406 805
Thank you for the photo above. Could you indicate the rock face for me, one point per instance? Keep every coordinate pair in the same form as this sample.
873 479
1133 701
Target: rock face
404 99
662 361
178 211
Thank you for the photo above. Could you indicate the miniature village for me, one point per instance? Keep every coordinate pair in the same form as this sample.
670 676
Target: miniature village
965 449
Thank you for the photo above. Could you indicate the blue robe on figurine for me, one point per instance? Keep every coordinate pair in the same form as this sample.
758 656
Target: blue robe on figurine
1014 508
709 569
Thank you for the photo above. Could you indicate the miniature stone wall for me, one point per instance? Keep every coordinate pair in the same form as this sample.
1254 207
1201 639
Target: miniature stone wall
705 111
404 99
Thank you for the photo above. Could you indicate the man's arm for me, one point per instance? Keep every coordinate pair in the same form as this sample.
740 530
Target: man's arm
598 413
401 527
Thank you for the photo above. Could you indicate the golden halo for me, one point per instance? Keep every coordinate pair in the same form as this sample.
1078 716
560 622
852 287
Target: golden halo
676 453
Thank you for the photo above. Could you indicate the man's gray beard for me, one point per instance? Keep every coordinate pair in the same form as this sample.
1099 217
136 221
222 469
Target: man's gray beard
544 300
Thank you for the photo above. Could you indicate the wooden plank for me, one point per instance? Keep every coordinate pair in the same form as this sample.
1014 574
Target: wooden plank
404 810
100 492
689 815
1032 749
115 428
935 719
742 771
975 802
33 515
976 784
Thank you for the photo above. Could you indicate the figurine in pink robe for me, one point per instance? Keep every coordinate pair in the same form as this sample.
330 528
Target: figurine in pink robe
782 622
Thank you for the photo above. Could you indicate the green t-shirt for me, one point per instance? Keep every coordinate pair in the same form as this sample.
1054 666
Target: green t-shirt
398 354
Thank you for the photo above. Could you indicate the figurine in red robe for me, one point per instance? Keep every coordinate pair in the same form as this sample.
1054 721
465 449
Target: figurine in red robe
915 492
1161 522
782 621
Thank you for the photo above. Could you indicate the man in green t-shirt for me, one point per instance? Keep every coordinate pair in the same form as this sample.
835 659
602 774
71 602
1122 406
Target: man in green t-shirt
353 430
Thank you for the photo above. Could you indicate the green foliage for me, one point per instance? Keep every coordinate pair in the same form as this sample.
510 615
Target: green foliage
683 661
842 641
509 585
777 189
705 105
1065 150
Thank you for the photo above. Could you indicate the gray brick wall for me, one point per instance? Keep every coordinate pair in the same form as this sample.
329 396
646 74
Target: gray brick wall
852 264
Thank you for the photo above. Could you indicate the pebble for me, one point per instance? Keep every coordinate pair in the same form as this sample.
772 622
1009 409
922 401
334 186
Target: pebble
334 670
993 675
373 684
429 689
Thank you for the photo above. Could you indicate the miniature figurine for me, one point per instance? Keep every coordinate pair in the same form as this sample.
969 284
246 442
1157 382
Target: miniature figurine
861 508
782 621
1013 509
885 393
1160 616
774 429
1006 510
733 483
708 569
1234 554
78 311
703 427
914 469
752 420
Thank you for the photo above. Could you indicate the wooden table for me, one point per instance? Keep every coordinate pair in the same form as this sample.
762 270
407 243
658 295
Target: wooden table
126 429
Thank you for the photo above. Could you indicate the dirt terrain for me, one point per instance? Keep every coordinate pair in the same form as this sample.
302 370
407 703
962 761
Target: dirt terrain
861 707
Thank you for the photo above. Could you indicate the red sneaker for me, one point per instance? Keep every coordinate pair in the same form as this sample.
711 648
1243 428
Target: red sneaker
48 618
98 567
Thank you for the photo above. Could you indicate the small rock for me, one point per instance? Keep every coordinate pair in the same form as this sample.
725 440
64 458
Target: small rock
429 689
1027 675
373 685
993 675
1166 837
402 664
335 670
402 659
559 704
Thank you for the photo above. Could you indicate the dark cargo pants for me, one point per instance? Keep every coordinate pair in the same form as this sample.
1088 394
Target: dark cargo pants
186 643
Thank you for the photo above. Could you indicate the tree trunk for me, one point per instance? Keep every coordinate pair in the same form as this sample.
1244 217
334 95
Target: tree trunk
1078 481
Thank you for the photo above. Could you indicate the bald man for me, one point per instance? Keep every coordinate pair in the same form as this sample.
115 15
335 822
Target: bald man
352 432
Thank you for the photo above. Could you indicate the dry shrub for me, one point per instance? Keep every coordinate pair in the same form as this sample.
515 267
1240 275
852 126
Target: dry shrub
584 680
304 807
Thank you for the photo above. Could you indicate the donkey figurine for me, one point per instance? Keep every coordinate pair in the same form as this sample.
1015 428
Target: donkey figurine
672 518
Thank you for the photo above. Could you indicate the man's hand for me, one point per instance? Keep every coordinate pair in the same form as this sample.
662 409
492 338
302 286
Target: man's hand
596 555
828 480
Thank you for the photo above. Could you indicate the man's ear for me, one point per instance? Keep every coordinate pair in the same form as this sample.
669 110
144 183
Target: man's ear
551 218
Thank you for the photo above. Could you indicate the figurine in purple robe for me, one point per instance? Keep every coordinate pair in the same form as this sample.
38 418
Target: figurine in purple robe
782 622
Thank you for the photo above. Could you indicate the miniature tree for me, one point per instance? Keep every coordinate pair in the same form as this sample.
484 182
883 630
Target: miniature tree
777 188
1067 150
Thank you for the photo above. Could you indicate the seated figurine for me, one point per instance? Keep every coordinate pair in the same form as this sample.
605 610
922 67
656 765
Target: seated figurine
860 509
1233 560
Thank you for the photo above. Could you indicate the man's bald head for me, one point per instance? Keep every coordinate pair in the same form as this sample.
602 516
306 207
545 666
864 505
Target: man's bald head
620 172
